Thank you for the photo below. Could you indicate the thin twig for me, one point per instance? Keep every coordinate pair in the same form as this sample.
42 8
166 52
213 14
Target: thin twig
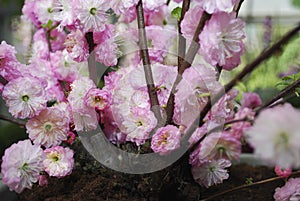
12 120
198 122
48 38
287 91
186 63
180 59
168 2
247 186
194 47
92 64
237 7
146 62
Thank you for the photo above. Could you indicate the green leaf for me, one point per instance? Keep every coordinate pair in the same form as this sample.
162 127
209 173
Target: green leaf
48 25
296 3
176 12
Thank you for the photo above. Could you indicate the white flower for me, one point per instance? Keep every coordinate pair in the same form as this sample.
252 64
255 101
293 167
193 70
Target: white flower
275 136
49 128
92 14
21 166
212 172
59 161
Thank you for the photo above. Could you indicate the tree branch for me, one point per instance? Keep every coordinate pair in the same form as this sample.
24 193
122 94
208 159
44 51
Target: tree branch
14 121
144 54
92 64
287 91
180 59
237 7
198 122
247 186
188 60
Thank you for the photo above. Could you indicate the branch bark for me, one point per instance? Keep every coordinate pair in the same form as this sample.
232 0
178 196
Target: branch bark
285 92
144 54
247 186
186 62
247 69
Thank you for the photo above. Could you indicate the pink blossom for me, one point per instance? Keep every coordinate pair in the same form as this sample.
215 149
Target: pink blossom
188 25
59 161
239 128
289 192
129 16
106 53
92 14
44 10
164 77
122 6
43 180
211 173
98 99
25 97
166 139
49 128
10 68
216 146
71 137
192 93
64 12
221 41
28 11
213 6
156 17
21 165
153 4
138 124
64 68
275 136
251 100
76 46
41 46
85 118
283 173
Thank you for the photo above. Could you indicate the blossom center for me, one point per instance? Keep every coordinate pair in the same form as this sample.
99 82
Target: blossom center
212 168
55 157
93 11
48 127
139 123
164 139
25 166
282 138
50 10
25 98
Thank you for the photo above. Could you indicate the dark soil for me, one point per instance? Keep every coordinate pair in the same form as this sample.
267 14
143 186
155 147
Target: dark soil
92 182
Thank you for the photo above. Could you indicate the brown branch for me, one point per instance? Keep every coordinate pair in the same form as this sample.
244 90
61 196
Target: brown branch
180 59
285 92
144 54
18 122
237 7
198 122
92 64
188 60
263 56
247 186
48 37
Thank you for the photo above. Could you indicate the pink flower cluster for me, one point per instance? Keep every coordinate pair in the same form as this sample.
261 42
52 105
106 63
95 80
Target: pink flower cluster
221 41
56 97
